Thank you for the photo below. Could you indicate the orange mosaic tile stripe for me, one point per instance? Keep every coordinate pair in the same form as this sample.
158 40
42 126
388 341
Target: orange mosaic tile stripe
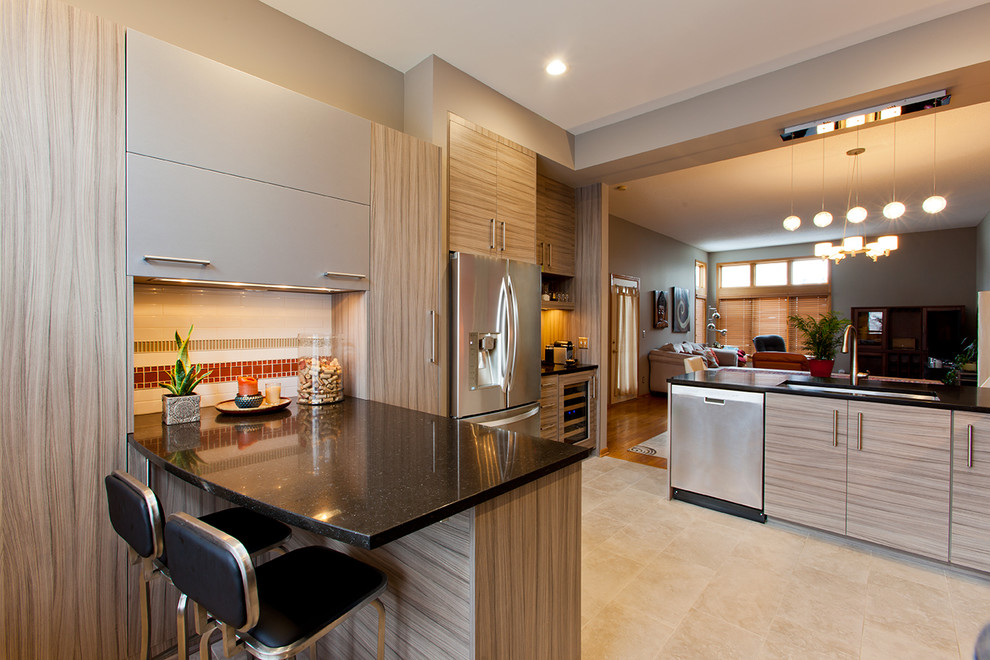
150 377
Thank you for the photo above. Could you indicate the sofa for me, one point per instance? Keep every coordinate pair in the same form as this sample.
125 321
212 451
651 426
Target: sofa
780 361
668 361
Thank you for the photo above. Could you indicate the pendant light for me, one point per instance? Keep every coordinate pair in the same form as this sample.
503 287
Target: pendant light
855 214
894 209
792 222
823 218
936 202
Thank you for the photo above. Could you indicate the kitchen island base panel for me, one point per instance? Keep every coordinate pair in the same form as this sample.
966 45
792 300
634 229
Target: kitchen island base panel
500 580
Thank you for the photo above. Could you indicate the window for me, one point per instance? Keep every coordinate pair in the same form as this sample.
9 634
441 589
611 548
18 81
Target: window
758 297
700 302
735 276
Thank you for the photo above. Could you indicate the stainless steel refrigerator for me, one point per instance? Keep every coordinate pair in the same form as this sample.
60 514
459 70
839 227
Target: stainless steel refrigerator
495 342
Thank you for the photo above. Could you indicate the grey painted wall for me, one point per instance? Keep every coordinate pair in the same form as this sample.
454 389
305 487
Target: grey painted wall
983 255
660 263
928 268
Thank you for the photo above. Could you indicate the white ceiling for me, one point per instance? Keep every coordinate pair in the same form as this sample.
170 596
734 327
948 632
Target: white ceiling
633 56
741 202
626 57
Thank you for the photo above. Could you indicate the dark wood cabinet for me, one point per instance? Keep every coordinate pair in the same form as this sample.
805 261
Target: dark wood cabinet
900 341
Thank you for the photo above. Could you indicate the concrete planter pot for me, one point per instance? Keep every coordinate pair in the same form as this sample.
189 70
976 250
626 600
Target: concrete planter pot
180 409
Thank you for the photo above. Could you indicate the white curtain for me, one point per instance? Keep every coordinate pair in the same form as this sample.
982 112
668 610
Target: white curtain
627 321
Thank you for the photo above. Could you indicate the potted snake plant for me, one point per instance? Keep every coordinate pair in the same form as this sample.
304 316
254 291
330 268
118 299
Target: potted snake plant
821 337
181 404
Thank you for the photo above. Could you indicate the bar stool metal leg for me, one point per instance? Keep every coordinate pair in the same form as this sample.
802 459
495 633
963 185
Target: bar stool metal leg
381 627
180 623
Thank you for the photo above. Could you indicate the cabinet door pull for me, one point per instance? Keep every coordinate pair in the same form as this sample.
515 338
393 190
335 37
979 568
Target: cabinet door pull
969 442
542 251
178 260
493 233
503 236
550 256
433 336
835 428
860 430
350 276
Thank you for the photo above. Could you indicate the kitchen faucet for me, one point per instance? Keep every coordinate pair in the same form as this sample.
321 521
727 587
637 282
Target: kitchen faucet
854 361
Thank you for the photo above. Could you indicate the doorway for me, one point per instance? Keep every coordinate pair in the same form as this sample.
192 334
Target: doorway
624 338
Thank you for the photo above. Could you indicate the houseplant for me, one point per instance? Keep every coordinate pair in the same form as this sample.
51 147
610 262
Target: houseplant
182 404
966 355
821 337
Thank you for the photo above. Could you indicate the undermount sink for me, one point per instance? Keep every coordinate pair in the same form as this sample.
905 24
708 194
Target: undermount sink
917 395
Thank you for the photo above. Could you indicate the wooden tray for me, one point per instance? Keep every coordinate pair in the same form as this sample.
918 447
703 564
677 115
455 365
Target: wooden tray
231 408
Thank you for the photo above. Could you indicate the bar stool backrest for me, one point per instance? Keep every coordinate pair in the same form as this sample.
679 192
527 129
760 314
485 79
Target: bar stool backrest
213 569
135 514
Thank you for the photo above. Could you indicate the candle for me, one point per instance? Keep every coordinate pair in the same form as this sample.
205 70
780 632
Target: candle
273 394
247 386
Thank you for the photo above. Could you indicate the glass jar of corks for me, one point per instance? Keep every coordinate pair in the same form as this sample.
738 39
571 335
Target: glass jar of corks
320 375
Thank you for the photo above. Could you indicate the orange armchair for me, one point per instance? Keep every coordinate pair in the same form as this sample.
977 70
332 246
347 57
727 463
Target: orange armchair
775 360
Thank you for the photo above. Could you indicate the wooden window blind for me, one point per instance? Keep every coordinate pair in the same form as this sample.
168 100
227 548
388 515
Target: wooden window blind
745 318
700 319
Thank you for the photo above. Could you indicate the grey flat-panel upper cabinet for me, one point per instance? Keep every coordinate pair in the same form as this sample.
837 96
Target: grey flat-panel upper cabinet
189 109
204 225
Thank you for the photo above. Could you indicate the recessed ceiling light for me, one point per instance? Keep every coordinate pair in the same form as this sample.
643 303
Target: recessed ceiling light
556 68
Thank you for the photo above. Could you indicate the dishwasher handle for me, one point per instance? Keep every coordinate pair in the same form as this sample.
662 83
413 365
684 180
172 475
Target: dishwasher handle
714 402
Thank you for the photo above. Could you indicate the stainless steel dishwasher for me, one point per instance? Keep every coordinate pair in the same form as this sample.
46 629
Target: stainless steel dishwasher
716 449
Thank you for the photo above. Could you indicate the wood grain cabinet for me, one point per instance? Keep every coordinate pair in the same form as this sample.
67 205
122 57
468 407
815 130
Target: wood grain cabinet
805 461
874 471
492 193
898 477
555 226
970 538
569 407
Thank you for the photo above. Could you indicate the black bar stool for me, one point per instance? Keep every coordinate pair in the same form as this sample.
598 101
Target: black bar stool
274 610
136 516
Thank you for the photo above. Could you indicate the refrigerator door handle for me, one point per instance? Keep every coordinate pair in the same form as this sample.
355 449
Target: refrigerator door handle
513 325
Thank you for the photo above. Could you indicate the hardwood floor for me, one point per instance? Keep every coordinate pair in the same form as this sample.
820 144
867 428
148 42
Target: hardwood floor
631 422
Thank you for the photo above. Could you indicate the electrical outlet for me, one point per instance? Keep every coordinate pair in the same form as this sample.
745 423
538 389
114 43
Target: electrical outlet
644 334
582 342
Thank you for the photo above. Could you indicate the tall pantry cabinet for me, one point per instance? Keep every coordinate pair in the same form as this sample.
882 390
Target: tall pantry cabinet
492 193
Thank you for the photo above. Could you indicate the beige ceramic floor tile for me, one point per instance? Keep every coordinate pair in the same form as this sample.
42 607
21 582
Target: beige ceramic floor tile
701 636
831 606
708 545
924 573
643 540
970 598
654 484
624 631
912 611
883 642
789 641
833 557
667 588
597 527
774 549
744 595
603 575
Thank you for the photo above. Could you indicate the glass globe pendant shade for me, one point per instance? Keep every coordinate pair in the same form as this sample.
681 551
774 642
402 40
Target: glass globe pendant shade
856 214
934 204
792 222
822 219
893 210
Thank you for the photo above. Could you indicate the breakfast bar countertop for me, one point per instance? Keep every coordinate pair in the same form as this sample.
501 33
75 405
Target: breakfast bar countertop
357 471
951 397
549 368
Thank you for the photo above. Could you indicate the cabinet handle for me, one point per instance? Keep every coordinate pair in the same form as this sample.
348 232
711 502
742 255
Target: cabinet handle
860 430
835 428
433 336
351 276
550 257
493 233
178 260
503 236
542 253
969 442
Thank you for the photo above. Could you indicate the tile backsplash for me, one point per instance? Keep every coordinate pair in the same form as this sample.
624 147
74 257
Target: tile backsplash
236 332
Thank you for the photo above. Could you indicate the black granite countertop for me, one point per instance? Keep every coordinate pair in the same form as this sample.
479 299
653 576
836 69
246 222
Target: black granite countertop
549 368
974 399
361 472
